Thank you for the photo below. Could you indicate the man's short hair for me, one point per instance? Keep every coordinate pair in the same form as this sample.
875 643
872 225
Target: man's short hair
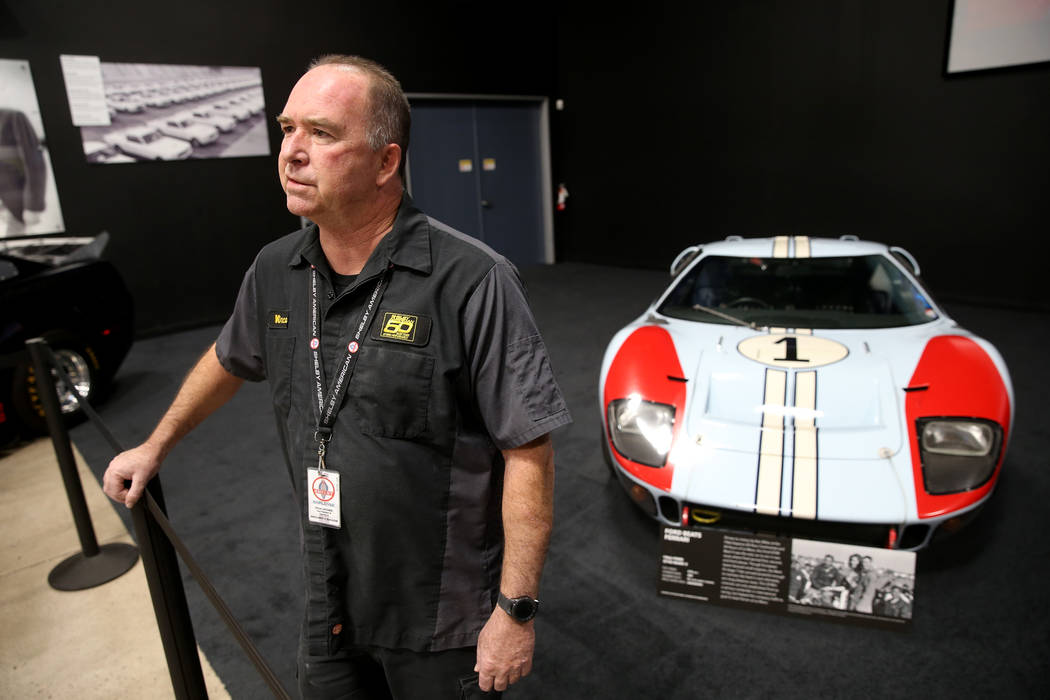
389 112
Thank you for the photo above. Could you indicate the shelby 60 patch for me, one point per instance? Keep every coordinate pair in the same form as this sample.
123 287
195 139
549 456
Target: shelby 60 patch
401 327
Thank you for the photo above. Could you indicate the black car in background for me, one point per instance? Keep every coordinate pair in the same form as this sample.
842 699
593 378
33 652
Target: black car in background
58 289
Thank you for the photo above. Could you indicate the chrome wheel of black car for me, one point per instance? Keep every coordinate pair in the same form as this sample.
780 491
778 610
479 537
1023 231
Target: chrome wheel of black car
76 368
80 364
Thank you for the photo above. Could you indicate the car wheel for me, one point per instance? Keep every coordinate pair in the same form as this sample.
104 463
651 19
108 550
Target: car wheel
80 364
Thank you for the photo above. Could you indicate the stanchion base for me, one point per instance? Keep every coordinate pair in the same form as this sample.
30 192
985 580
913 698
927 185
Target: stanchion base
79 572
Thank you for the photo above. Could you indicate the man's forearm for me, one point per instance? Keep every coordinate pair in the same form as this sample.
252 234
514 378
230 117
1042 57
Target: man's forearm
206 388
528 515
505 646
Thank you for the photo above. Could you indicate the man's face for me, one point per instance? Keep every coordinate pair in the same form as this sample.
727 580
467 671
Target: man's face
326 166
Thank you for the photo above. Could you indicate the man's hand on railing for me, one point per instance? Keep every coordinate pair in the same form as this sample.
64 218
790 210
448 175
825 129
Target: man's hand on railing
137 466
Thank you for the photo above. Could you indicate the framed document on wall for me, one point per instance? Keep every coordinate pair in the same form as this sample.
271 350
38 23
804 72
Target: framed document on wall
986 34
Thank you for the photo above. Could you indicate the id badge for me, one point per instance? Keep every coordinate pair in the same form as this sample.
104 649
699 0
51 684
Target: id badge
322 497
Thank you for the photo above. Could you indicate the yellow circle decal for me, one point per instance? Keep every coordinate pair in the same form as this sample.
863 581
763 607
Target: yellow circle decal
791 351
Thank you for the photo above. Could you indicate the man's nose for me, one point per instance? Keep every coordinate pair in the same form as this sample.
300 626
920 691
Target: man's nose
293 149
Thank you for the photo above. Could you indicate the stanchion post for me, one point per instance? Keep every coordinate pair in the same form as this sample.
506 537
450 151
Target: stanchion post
169 600
63 450
93 565
159 559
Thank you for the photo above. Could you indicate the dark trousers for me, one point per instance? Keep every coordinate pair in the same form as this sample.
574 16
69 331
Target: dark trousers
373 673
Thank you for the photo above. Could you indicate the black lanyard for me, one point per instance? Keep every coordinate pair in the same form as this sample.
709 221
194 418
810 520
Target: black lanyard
328 406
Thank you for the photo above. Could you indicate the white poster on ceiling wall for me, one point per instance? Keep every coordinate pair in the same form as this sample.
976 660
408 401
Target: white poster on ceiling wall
28 195
998 33
174 112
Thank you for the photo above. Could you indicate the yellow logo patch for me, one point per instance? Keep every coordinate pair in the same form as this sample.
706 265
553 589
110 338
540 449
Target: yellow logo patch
279 320
398 326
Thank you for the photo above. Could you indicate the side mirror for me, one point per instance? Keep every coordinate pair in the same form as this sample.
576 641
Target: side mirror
684 258
907 257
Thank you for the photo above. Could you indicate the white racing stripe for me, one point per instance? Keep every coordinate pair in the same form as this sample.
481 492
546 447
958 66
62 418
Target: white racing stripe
804 469
780 246
768 490
771 445
801 246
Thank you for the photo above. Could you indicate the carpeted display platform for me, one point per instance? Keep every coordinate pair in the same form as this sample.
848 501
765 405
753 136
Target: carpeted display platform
981 625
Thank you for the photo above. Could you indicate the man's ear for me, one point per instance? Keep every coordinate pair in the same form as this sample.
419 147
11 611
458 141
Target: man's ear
389 164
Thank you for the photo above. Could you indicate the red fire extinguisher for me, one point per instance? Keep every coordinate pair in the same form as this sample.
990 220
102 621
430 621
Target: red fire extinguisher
563 194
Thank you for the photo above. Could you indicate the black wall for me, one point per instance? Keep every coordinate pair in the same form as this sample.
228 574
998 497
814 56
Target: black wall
184 232
688 122
682 123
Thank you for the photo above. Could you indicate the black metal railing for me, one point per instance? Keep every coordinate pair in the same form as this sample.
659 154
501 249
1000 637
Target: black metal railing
157 541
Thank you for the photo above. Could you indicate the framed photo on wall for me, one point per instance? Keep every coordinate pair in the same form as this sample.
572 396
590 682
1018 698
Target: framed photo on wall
28 194
987 34
175 112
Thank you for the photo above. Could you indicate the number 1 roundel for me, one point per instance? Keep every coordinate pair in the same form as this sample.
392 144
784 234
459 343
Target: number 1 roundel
792 351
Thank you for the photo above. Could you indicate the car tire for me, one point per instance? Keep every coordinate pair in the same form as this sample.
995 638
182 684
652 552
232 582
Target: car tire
81 365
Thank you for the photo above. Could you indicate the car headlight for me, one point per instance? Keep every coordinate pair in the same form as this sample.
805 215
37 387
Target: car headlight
641 430
958 454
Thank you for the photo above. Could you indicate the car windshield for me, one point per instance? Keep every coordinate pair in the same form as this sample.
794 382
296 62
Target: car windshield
864 291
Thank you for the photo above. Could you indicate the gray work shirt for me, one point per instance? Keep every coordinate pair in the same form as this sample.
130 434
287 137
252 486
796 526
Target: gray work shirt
451 371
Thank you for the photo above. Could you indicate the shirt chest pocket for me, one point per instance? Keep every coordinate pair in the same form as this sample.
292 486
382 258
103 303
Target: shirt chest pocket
390 392
280 356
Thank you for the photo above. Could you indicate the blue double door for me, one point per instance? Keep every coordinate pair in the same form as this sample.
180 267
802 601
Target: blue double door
478 167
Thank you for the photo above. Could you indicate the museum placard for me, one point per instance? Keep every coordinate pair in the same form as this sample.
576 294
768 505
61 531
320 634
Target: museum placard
847 583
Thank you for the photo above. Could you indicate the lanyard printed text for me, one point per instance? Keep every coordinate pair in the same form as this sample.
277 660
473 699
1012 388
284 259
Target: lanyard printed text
327 407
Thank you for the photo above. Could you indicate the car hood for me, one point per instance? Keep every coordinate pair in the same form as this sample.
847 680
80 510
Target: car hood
797 422
168 146
853 399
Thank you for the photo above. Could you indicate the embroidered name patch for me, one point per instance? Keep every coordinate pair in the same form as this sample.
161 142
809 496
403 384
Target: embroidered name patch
277 319
399 327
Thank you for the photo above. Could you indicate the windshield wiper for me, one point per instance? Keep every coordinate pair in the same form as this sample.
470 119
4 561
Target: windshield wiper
729 317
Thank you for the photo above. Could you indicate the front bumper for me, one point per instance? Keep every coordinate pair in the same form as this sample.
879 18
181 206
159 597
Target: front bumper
680 513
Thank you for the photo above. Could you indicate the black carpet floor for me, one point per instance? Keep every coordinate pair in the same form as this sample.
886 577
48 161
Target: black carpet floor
981 625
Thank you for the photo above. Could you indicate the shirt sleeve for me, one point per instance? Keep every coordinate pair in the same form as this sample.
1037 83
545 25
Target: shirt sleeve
514 385
238 346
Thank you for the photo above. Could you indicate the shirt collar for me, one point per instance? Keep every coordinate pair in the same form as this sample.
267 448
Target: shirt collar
407 244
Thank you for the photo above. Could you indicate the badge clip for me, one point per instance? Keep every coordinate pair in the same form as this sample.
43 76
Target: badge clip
323 436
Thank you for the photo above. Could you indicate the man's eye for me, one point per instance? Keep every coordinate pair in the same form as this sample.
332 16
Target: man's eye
320 133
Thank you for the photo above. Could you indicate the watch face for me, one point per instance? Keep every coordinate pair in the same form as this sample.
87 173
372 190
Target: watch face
523 609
